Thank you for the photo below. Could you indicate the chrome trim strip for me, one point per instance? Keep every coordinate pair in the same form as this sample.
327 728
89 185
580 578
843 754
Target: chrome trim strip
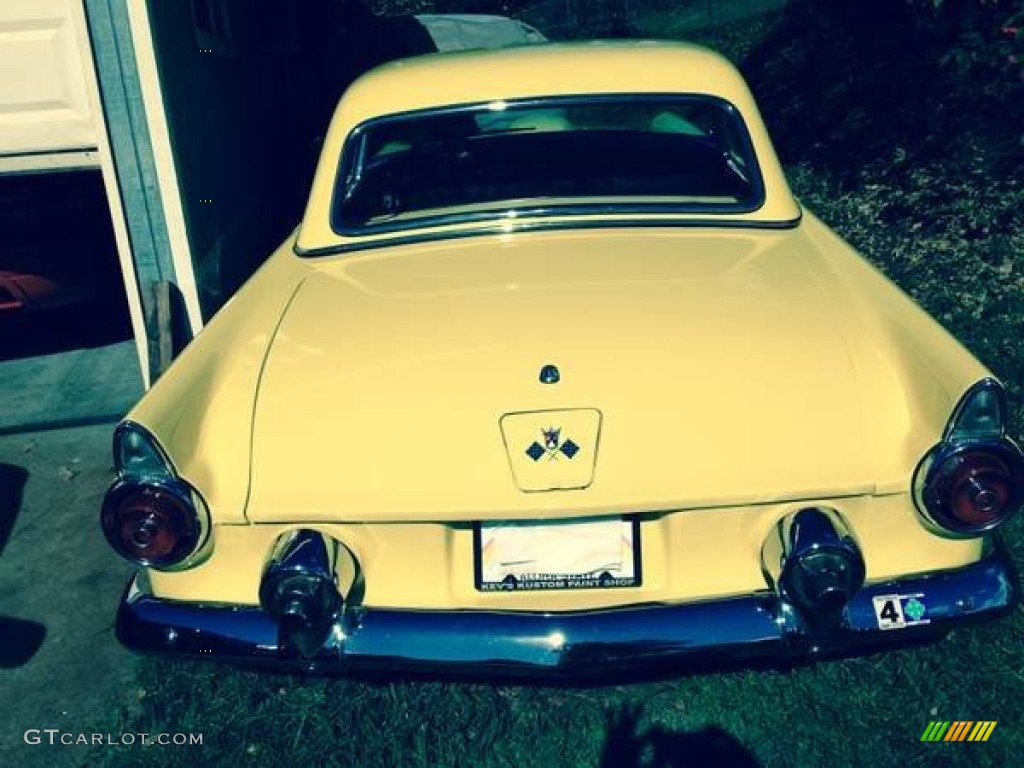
574 645
502 228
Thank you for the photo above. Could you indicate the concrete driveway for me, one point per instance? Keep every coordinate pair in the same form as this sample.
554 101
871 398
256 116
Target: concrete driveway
60 665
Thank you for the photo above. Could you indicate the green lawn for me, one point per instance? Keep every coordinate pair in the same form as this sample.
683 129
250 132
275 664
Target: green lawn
866 711
917 173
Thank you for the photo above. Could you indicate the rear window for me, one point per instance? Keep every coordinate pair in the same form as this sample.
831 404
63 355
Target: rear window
595 155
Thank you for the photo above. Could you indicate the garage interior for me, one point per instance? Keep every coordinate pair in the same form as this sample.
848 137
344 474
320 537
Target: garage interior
58 258
66 354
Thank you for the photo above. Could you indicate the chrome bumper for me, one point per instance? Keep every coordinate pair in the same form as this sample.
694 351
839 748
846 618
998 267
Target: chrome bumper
575 645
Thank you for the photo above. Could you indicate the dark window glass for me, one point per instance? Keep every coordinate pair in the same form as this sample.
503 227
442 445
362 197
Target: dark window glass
614 154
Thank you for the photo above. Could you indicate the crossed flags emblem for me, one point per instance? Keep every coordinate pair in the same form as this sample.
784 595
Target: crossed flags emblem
552 446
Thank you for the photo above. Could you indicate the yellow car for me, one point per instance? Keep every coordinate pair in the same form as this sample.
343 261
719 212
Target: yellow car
557 377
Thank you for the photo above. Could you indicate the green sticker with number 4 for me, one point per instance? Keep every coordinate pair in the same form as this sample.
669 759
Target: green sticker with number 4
899 611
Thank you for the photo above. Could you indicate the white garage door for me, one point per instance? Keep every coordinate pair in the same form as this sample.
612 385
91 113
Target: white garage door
44 62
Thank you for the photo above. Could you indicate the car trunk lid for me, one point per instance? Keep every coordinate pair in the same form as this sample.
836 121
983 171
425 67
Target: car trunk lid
695 368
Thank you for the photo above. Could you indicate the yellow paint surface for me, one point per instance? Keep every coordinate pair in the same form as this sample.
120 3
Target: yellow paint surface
714 378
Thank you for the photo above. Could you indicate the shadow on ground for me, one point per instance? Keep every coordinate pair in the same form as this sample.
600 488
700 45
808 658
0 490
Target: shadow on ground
21 640
12 486
627 746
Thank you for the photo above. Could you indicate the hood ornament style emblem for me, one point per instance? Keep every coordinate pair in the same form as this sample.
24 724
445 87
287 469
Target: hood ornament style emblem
549 374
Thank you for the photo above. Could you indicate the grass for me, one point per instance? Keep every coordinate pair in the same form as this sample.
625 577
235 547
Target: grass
918 174
869 710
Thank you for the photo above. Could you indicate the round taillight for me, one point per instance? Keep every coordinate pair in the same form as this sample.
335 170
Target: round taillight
973 490
151 524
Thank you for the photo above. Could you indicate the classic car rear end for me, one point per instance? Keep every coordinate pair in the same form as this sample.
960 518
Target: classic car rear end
556 377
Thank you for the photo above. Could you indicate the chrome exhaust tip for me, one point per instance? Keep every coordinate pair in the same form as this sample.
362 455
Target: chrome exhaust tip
299 591
812 560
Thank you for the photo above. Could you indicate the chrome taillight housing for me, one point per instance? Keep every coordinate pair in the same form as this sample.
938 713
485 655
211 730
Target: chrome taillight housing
152 524
973 480
150 516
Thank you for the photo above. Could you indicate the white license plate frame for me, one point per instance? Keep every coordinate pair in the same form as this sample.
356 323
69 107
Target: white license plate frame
538 543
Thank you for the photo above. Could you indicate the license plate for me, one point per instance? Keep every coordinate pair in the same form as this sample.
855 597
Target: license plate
588 553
